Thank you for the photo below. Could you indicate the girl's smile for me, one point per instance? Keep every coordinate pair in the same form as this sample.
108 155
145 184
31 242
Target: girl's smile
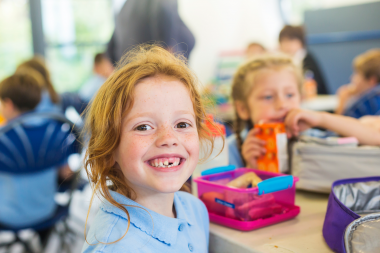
166 162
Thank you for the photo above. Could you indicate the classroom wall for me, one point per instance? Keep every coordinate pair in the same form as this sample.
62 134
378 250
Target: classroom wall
338 35
225 25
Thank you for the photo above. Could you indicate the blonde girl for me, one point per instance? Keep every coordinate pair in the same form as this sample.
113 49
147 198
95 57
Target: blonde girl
267 89
146 124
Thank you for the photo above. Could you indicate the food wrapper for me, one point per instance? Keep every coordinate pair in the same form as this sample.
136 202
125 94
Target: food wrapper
276 157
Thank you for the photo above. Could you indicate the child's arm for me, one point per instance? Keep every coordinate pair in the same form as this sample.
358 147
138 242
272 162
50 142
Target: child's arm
371 121
299 120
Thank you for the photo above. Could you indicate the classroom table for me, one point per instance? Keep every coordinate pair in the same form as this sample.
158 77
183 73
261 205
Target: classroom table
321 103
302 234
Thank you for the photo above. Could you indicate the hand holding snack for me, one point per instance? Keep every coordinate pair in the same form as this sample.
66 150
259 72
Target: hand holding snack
276 156
252 148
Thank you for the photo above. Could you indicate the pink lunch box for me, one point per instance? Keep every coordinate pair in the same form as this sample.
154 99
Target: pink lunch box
272 201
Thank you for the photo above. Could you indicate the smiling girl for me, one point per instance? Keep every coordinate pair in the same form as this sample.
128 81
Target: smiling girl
268 89
146 124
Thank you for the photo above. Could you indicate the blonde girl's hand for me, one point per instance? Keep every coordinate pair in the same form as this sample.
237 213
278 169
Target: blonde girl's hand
253 148
298 120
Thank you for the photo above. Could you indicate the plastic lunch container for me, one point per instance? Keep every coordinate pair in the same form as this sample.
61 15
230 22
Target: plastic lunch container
272 201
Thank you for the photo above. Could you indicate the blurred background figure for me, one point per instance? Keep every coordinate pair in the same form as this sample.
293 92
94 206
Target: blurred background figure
292 42
362 96
103 68
49 98
143 21
254 49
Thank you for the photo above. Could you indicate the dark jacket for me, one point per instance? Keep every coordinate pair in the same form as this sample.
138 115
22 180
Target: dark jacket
148 21
309 63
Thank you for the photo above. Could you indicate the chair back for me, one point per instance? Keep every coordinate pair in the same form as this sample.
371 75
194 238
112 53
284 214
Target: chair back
36 142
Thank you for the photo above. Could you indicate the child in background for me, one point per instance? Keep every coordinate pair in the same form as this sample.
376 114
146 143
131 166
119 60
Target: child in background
19 94
268 89
103 68
26 199
50 98
362 96
254 49
293 43
145 124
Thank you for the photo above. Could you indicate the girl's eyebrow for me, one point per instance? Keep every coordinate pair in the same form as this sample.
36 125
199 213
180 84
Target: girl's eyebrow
180 112
152 115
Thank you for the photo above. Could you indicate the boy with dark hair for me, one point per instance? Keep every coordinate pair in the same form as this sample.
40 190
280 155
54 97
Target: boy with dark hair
362 96
19 94
292 42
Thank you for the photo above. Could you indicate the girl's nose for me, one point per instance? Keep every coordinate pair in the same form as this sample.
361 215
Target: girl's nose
166 138
280 104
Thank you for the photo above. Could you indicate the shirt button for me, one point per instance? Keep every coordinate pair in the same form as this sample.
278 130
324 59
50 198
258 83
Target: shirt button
181 227
191 248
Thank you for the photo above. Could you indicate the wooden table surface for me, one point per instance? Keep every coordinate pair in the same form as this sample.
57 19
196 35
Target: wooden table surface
302 234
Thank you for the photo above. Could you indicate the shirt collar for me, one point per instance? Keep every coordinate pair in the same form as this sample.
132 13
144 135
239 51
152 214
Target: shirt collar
158 226
180 208
244 133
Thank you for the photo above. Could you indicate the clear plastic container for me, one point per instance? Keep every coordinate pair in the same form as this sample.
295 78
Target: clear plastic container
272 201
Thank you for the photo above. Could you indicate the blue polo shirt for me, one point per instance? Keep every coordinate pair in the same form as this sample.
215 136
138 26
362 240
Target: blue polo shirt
189 232
366 104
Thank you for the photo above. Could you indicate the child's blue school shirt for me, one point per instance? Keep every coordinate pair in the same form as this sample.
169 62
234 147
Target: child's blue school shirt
27 199
189 232
366 104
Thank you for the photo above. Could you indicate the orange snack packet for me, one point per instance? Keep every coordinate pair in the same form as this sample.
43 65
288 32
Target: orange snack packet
276 158
2 120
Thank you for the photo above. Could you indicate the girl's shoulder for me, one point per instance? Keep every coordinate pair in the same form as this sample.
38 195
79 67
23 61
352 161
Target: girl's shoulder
189 202
234 155
107 227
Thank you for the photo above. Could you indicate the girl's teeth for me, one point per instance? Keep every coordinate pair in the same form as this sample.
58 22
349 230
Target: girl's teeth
164 162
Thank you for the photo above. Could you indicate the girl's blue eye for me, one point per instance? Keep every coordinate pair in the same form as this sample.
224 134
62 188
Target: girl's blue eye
182 125
290 95
143 127
268 97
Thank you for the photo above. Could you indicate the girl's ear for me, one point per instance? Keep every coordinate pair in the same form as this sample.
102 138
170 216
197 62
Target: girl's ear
112 160
242 110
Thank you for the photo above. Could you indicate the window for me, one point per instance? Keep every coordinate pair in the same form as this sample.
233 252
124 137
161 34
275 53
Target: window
15 35
75 30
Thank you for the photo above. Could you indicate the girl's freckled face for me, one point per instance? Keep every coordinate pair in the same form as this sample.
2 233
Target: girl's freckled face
161 122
